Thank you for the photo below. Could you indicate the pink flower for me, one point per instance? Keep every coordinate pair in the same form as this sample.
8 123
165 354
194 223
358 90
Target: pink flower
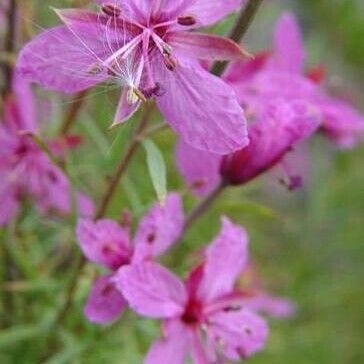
108 244
146 47
275 133
204 318
24 168
281 74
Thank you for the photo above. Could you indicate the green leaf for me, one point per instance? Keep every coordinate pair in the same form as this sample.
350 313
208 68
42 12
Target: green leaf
16 334
157 169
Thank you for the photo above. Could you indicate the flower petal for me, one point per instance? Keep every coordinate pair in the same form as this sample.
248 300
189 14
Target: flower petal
105 303
27 107
206 46
225 259
341 122
239 334
208 12
171 349
58 60
104 242
125 109
289 53
151 290
201 108
276 307
281 126
159 228
200 169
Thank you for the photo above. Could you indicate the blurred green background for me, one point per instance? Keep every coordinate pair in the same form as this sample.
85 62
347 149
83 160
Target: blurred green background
307 245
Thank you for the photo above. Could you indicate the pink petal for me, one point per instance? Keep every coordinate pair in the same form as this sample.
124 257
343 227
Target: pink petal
159 228
201 108
341 122
105 303
125 109
278 130
244 70
200 169
239 334
64 59
225 259
289 50
199 352
207 12
85 206
26 104
273 306
137 9
104 242
171 349
206 46
152 290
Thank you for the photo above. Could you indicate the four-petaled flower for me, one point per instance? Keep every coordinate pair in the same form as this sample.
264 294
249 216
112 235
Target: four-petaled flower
146 46
107 243
204 318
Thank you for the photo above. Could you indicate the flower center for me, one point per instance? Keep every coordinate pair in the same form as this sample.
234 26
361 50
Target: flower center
133 59
193 313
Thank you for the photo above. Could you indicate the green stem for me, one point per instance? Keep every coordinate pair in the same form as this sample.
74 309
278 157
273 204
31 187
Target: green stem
240 28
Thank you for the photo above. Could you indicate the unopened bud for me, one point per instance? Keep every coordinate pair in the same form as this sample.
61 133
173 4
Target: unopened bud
111 10
187 20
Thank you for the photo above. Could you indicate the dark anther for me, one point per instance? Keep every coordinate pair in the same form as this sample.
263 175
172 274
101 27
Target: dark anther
111 10
152 91
170 63
187 20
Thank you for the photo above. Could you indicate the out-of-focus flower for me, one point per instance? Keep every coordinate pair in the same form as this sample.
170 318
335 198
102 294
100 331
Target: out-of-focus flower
275 133
204 318
108 244
146 46
25 169
281 74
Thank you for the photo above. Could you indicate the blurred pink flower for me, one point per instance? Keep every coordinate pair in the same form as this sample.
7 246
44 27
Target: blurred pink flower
277 130
25 170
205 317
108 244
281 74
146 47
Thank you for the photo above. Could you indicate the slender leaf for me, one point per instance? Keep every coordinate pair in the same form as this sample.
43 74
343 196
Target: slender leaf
157 169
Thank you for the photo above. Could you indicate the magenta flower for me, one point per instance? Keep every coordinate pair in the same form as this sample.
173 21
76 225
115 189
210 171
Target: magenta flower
108 244
281 74
25 170
204 317
146 47
276 132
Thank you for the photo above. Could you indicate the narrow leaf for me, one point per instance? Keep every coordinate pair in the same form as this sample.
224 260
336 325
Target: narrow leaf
157 169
